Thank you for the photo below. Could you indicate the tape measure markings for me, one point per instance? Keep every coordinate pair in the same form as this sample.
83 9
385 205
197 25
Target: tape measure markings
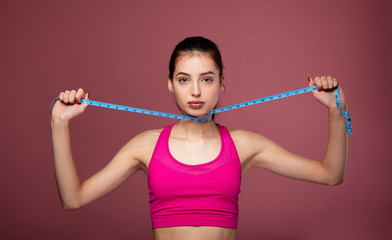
264 99
346 114
218 110
142 111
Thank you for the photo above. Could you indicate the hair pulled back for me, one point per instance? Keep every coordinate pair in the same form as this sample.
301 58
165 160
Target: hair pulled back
196 44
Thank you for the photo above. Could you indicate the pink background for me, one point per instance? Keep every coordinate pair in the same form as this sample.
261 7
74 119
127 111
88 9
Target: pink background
119 52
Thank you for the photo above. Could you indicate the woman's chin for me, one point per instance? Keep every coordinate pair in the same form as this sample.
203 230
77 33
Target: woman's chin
197 113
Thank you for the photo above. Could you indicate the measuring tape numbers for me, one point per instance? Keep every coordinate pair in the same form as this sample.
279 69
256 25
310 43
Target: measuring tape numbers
218 110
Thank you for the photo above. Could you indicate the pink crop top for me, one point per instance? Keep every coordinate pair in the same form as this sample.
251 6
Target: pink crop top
194 195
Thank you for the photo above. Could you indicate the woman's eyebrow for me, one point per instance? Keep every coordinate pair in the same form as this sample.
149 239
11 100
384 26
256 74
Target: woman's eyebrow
182 73
209 72
201 74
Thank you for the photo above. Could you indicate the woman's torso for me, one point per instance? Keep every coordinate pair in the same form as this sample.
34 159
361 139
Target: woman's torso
197 152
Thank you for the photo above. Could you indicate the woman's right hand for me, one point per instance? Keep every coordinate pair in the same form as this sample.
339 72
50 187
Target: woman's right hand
68 107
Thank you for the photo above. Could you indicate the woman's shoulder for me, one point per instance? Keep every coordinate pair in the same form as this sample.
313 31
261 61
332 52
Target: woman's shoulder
143 141
242 137
147 137
242 133
248 144
142 145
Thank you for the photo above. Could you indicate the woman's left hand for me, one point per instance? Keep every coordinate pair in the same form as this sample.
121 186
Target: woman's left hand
325 91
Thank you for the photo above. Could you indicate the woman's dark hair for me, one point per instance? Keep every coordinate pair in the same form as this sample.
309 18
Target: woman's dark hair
196 44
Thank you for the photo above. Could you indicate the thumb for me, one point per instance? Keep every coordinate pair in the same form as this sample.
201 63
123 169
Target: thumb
84 105
310 80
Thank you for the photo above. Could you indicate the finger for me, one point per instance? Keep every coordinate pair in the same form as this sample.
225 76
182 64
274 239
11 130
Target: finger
324 82
72 96
85 105
66 97
330 83
334 82
61 96
79 95
310 80
86 96
317 82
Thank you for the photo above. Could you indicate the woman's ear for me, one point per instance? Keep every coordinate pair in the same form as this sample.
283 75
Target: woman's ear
170 84
222 83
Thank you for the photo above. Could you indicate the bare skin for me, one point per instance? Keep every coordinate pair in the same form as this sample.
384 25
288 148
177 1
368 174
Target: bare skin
196 78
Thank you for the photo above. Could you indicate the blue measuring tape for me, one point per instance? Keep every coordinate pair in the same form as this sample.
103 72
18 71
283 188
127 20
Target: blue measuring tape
218 110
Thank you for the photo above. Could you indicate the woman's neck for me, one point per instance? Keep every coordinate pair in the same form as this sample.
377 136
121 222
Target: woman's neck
192 129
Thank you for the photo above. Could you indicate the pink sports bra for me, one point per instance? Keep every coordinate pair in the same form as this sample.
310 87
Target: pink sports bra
194 195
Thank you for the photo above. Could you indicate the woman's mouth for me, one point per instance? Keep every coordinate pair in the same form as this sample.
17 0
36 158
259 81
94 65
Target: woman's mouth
196 104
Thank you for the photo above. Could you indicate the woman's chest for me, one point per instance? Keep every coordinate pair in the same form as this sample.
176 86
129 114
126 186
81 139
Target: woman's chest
194 152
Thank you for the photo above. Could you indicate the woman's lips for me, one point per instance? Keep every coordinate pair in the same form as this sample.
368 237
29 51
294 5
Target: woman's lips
196 104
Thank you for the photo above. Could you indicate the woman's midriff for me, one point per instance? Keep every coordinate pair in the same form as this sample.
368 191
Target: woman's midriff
195 233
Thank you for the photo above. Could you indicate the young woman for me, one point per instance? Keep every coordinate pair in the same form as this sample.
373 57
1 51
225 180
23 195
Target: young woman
194 169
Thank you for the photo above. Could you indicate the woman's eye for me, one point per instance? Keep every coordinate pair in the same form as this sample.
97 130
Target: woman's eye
183 80
207 79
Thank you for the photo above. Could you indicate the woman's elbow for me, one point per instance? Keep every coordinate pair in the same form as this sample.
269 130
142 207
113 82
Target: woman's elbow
68 206
335 181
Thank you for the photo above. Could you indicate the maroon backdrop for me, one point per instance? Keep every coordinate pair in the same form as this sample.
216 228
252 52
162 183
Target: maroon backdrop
119 52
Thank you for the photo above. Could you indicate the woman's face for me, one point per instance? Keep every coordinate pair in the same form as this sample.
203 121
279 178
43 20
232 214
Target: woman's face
196 83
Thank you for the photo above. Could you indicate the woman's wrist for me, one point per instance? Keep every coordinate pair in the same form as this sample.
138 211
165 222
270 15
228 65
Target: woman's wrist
57 121
335 111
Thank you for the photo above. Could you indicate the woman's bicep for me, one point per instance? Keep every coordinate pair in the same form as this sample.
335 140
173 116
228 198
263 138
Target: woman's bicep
271 156
130 159
117 171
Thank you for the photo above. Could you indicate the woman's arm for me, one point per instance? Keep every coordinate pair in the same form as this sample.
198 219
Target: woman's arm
73 193
258 151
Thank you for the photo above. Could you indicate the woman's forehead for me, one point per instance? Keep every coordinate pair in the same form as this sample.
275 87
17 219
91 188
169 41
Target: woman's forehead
193 61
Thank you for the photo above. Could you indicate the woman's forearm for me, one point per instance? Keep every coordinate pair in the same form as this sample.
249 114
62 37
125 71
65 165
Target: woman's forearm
335 158
67 178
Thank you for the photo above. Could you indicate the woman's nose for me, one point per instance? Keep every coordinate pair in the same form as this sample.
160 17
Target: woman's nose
195 91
